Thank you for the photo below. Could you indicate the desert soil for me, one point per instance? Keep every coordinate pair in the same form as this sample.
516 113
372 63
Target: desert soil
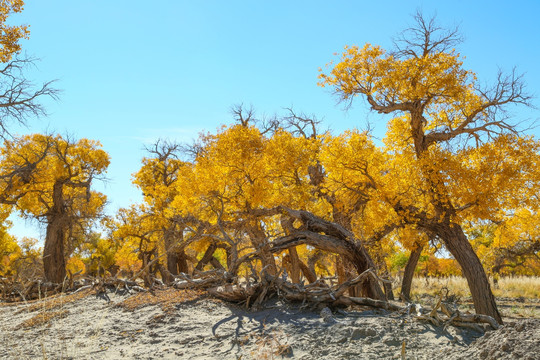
96 327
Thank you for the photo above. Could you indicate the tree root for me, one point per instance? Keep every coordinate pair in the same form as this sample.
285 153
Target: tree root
222 285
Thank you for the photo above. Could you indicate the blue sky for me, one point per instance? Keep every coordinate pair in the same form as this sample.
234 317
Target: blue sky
135 71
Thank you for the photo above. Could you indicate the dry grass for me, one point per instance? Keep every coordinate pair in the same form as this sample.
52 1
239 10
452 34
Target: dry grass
271 346
42 318
55 301
507 287
519 286
166 299
517 297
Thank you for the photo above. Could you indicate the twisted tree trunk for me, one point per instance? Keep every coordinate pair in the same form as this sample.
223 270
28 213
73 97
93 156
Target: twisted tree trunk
332 237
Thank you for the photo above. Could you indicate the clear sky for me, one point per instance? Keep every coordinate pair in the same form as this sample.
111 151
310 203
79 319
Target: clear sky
133 71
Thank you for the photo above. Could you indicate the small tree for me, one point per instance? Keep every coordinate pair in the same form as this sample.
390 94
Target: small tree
49 178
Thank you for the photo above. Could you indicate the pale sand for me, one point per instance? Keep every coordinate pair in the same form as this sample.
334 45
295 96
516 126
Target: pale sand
93 328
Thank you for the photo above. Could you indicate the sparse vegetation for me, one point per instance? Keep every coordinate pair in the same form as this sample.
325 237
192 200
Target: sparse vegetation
508 287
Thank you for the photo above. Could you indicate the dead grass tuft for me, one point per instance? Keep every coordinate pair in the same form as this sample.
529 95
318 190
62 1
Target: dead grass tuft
166 299
54 302
271 345
42 318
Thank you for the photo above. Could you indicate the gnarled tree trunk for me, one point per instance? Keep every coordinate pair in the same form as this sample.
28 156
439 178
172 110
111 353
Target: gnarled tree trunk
259 241
330 237
457 243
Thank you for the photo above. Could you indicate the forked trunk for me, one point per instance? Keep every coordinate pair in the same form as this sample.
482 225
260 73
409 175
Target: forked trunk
406 283
176 258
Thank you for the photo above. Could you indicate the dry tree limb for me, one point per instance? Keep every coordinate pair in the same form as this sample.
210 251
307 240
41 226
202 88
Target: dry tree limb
380 304
204 280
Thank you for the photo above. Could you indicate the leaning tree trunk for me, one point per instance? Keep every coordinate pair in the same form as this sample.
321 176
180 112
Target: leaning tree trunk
54 263
406 283
457 243
309 274
207 257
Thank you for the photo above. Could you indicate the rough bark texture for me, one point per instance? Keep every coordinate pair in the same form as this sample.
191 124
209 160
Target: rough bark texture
406 283
54 263
176 258
457 243
259 241
295 265
388 291
309 274
451 233
53 252
207 257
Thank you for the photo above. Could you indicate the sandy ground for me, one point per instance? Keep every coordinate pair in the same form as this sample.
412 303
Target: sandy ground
95 327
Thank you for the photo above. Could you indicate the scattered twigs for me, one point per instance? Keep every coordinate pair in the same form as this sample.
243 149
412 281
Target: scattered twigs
319 292
449 315
253 292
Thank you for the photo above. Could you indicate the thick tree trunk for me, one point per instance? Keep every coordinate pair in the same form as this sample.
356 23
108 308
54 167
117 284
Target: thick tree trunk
181 262
406 283
345 273
54 263
388 291
457 243
295 265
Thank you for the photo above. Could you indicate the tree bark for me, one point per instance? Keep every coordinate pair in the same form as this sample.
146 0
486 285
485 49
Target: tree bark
181 262
176 258
331 237
53 252
259 241
295 265
406 283
310 275
457 243
388 291
54 263
208 255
